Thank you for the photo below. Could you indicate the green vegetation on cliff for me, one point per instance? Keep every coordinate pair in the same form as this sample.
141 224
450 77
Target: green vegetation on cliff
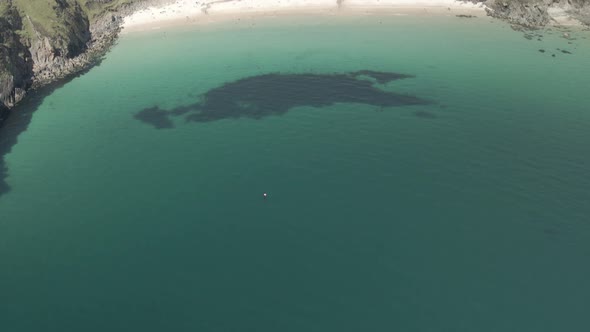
52 17
39 39
95 9
15 64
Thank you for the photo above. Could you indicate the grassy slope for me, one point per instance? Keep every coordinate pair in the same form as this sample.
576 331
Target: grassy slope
39 13
3 7
94 10
46 19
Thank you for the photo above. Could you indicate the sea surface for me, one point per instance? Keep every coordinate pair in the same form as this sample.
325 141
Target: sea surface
423 174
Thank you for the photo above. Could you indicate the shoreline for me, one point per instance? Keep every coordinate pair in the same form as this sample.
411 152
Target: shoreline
149 15
188 12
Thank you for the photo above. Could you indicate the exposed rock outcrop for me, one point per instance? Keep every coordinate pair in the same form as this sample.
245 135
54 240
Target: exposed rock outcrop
527 13
15 61
538 13
34 52
52 53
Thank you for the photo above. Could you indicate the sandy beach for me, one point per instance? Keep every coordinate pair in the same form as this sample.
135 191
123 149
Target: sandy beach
187 12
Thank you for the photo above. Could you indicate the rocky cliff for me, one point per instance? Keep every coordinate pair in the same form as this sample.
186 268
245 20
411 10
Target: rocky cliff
53 52
44 40
539 13
15 61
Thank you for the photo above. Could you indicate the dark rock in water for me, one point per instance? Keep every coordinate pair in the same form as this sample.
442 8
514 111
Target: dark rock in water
466 16
566 52
527 36
542 50
517 27
425 115
553 55
256 97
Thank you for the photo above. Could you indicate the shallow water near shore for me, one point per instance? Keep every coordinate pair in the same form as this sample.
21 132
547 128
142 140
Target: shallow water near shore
466 212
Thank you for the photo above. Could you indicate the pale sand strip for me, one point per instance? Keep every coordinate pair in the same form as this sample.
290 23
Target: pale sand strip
207 11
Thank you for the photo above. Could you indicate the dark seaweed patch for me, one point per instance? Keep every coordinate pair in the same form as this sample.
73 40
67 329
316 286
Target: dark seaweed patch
380 76
155 116
275 94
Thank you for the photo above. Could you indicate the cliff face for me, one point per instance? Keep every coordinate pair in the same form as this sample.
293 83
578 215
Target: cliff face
45 40
52 53
84 30
15 61
538 13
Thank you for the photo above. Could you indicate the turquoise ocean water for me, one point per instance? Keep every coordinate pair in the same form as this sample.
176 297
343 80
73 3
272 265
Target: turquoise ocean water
469 213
